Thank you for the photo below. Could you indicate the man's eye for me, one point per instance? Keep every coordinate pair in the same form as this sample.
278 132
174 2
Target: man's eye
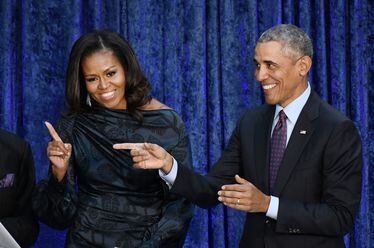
271 66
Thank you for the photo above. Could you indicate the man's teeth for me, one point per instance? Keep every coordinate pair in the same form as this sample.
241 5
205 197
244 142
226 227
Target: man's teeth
268 86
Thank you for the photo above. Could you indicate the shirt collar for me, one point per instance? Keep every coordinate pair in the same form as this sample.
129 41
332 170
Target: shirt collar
293 109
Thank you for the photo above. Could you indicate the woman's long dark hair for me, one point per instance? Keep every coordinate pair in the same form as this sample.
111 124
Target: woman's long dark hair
137 87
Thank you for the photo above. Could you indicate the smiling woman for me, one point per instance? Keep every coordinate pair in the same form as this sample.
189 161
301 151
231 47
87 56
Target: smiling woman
93 189
105 79
103 62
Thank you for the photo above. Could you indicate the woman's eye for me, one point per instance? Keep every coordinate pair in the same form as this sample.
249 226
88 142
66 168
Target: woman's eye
90 80
110 74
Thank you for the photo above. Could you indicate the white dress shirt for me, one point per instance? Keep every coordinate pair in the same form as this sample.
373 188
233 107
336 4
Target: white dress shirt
292 111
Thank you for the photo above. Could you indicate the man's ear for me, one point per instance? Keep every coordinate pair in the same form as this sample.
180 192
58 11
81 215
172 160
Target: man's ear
304 65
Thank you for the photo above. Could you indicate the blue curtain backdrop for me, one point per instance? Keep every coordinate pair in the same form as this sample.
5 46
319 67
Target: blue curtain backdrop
198 56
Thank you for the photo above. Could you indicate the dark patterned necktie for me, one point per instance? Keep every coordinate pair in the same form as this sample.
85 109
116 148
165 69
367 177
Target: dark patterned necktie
278 146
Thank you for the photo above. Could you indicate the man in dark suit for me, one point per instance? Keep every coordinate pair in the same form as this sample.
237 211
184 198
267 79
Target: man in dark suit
296 160
17 180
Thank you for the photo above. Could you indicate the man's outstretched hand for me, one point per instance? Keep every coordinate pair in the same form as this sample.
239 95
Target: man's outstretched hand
244 196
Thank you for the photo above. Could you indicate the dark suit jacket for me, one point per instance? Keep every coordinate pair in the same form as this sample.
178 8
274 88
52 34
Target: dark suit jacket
17 181
318 183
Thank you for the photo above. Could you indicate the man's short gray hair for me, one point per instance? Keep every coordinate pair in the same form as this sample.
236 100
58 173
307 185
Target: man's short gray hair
295 41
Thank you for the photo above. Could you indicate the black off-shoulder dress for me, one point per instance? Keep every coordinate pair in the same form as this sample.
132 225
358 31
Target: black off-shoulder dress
103 200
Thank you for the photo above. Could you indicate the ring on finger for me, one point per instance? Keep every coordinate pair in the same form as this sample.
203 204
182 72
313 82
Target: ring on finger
238 202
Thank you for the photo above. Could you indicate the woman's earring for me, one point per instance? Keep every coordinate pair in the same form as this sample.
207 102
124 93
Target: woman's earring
88 100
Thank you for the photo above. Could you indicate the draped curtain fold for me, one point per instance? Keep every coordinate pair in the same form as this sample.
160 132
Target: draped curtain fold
198 57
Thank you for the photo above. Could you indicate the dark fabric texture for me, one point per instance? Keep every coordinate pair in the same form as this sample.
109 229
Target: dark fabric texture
103 200
17 181
198 57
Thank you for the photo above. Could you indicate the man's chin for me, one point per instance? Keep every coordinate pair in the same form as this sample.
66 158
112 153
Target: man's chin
270 101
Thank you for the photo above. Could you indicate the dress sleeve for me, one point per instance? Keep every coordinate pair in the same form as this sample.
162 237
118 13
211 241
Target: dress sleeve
23 226
177 212
55 202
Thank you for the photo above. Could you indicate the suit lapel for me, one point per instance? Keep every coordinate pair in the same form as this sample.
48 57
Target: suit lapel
300 136
262 138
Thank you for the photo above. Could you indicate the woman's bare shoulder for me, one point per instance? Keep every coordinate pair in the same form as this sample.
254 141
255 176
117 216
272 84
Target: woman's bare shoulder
154 104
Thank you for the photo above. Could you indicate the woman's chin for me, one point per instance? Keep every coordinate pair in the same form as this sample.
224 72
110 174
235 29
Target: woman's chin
113 105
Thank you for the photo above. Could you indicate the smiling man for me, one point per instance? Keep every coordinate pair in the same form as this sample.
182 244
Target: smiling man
293 164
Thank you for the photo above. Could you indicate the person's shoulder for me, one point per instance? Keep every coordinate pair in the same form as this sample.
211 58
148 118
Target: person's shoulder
8 136
160 108
67 120
11 141
330 114
260 109
154 104
254 113
168 114
69 117
329 119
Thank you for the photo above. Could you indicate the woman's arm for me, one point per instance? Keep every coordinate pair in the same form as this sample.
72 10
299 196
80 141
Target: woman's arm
54 201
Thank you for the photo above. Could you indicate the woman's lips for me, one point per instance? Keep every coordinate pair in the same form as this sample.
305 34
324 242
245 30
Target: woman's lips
107 95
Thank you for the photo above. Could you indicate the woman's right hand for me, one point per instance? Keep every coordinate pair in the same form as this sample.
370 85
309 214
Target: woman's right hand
58 153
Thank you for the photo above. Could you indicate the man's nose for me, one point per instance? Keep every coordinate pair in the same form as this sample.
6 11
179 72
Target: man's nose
261 73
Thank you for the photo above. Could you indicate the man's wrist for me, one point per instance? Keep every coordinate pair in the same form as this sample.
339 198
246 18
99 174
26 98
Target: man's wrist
170 178
168 165
266 203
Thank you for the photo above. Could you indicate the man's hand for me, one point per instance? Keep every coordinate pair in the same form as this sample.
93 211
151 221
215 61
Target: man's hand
244 196
148 156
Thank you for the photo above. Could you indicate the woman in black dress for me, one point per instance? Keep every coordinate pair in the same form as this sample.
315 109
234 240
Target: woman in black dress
93 189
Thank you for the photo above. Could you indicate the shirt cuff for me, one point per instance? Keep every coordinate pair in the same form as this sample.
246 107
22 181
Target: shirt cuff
170 178
273 208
